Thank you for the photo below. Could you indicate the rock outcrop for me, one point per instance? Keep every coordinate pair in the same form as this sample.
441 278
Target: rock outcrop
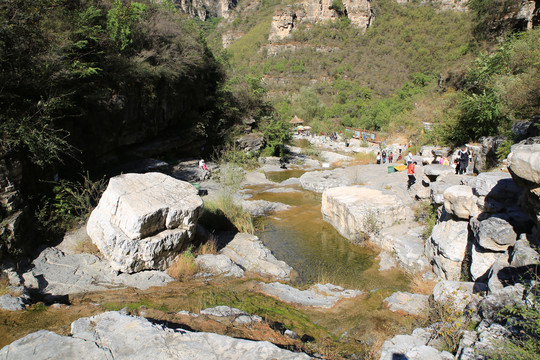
317 11
142 221
358 212
447 248
112 335
205 8
404 302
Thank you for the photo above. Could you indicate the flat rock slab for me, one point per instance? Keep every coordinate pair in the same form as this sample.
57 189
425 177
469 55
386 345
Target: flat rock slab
235 315
262 207
56 274
323 296
219 264
414 304
252 256
112 335
357 211
143 220
436 170
319 181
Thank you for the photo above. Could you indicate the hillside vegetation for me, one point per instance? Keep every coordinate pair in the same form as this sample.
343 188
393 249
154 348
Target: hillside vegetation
414 64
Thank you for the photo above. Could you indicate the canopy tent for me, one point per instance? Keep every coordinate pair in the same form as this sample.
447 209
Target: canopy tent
296 120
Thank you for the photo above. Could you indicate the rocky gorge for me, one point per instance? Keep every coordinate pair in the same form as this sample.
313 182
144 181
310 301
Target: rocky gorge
486 232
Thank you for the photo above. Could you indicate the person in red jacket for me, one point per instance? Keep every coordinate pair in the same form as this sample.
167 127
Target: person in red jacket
411 174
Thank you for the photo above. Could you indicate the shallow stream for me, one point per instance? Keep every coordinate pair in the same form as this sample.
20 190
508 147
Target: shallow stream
300 237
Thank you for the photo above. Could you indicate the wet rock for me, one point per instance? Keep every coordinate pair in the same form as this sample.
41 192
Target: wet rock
414 304
218 265
323 296
446 248
117 336
54 274
357 211
386 261
250 254
493 234
143 220
460 201
458 293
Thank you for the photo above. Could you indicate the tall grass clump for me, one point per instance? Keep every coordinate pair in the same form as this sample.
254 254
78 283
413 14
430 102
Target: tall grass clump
184 265
221 212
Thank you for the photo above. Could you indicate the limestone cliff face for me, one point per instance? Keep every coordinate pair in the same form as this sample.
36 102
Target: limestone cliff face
204 8
318 11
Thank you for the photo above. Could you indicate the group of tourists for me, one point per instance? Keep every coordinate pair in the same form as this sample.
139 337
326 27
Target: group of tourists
383 156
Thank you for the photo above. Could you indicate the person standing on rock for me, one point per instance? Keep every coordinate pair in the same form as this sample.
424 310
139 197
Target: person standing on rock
378 158
390 157
384 157
409 159
463 156
411 175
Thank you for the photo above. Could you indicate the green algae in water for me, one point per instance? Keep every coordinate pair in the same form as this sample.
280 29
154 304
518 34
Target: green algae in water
279 176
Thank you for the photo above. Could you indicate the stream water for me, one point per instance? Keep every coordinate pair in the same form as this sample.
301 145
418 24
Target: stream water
300 237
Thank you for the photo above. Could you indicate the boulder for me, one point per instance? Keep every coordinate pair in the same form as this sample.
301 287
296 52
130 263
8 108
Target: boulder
250 254
356 211
142 221
438 188
404 302
460 201
218 265
482 260
524 162
113 335
446 248
523 254
436 170
319 295
497 185
496 300
319 181
12 303
412 347
406 245
458 293
493 234
55 274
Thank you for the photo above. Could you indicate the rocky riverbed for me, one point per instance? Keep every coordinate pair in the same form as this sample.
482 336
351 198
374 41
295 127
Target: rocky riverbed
482 234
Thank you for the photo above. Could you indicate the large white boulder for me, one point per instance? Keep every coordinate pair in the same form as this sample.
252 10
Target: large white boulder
143 220
460 201
357 211
446 248
112 335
